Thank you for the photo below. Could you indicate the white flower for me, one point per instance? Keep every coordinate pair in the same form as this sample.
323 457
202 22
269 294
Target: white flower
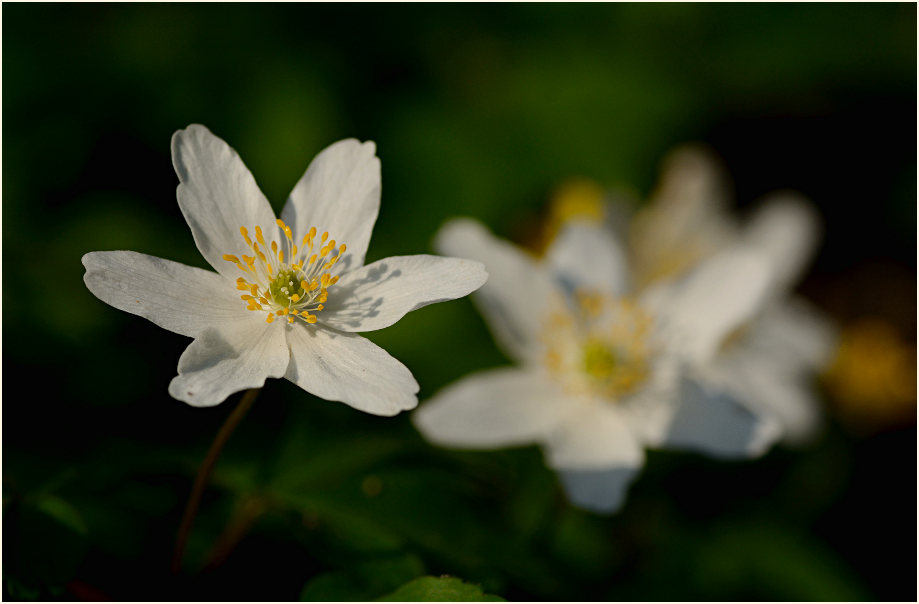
288 294
768 362
598 375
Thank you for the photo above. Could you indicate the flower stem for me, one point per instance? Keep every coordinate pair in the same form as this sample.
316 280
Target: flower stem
204 474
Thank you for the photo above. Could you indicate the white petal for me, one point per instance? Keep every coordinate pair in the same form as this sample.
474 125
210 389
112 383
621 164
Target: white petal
585 255
649 410
180 298
693 180
786 229
217 195
593 436
771 388
346 367
230 358
718 296
379 294
340 194
601 491
496 408
790 401
685 220
711 421
519 295
796 334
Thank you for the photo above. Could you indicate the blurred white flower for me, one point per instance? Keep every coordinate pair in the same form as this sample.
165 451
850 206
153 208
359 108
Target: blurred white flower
598 375
274 307
769 362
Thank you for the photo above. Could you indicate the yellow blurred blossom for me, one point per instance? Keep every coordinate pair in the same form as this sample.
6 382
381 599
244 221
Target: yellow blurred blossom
578 198
873 377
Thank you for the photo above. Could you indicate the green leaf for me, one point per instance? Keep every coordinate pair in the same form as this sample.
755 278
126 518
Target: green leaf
365 581
439 589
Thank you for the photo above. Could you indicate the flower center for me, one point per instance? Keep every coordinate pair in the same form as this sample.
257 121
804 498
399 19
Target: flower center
603 348
295 288
599 360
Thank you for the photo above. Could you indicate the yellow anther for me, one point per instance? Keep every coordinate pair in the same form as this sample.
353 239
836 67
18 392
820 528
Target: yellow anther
293 252
269 318
325 280
279 312
341 249
294 311
305 285
261 256
263 300
333 280
312 232
253 289
280 255
290 319
259 237
313 258
295 298
246 297
242 286
281 224
231 258
309 318
285 311
289 233
245 233
323 297
274 247
320 307
328 247
250 260
325 236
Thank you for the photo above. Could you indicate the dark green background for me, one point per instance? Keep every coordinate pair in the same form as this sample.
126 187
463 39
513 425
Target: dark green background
477 110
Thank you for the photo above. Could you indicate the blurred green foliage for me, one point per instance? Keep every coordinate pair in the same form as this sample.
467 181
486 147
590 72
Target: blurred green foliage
443 589
477 110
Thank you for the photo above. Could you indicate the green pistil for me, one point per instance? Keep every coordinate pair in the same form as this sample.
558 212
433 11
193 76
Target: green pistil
599 360
285 285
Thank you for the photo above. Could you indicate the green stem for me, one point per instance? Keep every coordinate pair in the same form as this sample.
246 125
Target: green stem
204 474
